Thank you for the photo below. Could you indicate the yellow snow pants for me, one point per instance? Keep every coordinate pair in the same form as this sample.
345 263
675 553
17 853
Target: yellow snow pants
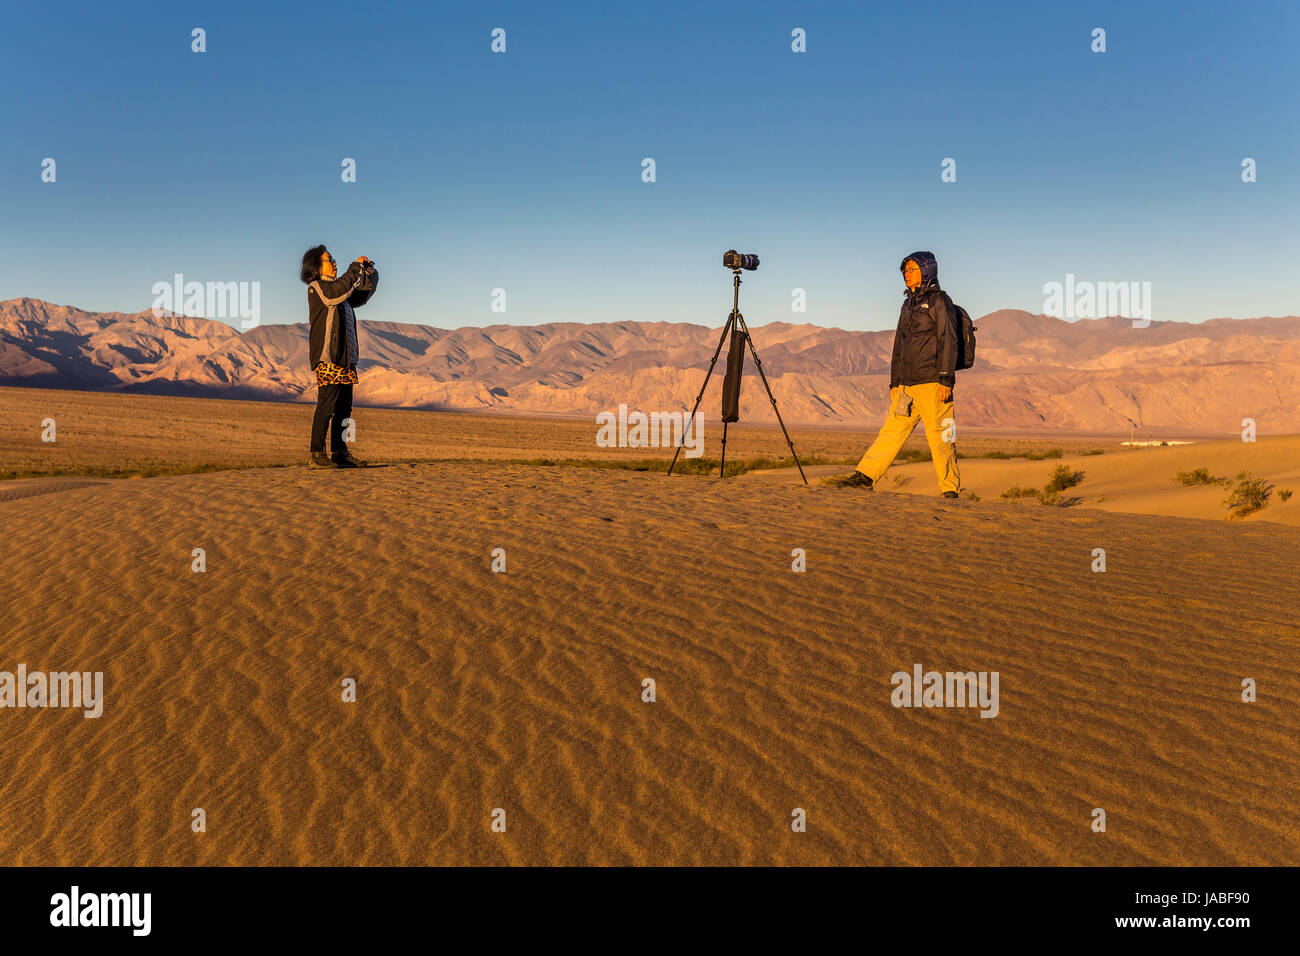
938 420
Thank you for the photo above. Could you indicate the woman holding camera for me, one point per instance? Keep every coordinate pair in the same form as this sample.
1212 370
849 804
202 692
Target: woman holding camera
331 299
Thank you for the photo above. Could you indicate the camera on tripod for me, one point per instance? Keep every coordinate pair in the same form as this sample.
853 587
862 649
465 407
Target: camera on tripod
734 260
736 329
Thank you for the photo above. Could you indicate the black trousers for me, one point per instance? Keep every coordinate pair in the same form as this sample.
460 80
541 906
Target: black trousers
333 405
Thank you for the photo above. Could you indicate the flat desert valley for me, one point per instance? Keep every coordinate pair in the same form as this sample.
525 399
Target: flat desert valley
520 695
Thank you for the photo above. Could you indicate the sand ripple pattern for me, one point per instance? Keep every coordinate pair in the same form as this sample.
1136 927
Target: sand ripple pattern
523 690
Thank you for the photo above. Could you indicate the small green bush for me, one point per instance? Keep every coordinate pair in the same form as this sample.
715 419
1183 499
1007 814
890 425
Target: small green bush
1063 478
1050 494
1198 476
1249 496
1015 491
1285 494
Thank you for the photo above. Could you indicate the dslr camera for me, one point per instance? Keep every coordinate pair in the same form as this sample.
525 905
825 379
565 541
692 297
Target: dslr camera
736 261
369 276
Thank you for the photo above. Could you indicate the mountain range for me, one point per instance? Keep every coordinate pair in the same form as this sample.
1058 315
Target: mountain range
1031 372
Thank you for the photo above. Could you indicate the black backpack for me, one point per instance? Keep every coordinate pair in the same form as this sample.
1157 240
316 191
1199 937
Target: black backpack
965 338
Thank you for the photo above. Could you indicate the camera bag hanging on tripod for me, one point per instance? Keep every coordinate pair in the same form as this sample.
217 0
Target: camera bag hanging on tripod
735 369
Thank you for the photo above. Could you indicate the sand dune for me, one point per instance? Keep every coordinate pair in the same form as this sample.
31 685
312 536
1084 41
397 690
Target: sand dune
1137 481
522 690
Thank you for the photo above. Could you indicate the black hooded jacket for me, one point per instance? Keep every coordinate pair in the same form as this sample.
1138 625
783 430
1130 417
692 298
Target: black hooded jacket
327 338
925 343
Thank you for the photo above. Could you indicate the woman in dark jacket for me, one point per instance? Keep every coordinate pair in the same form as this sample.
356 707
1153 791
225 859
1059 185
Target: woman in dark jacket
331 299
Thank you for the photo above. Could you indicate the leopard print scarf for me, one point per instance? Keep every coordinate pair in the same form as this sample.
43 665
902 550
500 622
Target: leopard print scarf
327 373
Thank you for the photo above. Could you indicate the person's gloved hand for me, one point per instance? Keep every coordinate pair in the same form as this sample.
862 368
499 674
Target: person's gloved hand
945 393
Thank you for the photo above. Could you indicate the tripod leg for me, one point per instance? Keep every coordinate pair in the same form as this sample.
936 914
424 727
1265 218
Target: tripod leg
722 467
759 362
699 398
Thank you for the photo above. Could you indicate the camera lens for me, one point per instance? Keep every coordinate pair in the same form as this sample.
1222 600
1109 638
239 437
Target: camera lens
731 259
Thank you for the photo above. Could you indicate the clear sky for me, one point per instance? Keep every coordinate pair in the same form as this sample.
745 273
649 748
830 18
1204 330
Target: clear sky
523 170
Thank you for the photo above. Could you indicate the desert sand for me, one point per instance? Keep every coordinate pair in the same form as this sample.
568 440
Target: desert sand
523 690
1133 481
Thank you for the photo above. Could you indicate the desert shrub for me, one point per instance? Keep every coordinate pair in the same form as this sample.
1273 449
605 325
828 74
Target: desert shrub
913 454
1063 478
1000 455
1095 451
1050 494
1015 491
1285 494
1198 476
972 496
1249 496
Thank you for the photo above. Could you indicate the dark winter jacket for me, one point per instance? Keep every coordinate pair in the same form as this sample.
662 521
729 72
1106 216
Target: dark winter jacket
925 344
325 301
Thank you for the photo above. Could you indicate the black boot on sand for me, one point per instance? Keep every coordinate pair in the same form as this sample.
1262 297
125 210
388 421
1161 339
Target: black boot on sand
855 480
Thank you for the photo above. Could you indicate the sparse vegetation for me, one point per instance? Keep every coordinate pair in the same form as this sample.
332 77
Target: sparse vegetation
1285 494
1062 479
1250 495
913 454
1016 491
1000 455
1198 476
972 496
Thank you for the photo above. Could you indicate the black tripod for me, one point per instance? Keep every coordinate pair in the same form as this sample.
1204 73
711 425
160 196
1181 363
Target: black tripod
736 321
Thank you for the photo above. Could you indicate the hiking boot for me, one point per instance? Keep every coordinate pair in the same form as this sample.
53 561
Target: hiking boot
345 459
855 480
320 460
950 494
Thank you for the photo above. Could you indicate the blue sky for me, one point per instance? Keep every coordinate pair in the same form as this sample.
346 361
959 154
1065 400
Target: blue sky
522 170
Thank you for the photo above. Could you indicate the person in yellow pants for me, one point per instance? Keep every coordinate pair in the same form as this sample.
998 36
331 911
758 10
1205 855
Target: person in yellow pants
921 378
931 405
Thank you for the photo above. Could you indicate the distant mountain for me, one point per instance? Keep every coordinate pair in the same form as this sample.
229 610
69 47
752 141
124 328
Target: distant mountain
1033 371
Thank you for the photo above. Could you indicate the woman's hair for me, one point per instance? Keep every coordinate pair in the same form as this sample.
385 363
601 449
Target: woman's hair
311 264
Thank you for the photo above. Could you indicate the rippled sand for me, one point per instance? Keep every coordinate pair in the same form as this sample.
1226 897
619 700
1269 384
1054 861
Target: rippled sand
522 690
